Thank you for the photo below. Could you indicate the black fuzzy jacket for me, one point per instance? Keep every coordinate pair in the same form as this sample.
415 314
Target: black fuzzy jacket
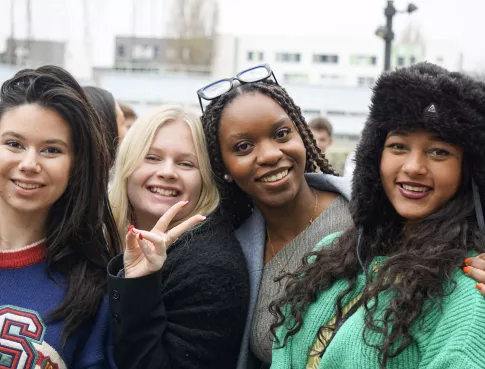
191 314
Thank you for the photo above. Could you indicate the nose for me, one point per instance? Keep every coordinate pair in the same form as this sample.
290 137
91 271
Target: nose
166 169
29 162
415 164
269 153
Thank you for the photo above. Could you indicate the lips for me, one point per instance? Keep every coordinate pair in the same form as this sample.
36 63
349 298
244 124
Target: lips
164 191
274 176
27 186
414 191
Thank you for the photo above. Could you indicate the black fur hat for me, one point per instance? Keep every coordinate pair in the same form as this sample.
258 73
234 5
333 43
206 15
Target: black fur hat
421 96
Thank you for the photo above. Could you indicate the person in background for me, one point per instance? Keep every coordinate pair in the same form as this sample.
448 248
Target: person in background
183 304
110 115
130 115
57 233
322 130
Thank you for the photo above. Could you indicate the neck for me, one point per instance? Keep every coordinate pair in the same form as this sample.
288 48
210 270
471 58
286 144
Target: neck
286 222
18 230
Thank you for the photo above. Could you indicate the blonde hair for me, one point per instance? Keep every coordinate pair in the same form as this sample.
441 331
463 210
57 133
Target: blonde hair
133 150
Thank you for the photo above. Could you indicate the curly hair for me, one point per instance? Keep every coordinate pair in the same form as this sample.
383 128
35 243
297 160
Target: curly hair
235 200
413 274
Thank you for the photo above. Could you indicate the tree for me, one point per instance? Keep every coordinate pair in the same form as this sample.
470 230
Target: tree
192 32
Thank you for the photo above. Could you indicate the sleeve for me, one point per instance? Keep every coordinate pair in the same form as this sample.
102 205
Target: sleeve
457 338
198 323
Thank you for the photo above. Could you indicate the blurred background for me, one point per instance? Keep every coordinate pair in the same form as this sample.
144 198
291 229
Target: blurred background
327 54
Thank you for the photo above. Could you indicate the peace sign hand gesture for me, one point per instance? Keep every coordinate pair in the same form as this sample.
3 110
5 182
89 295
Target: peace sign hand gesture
145 251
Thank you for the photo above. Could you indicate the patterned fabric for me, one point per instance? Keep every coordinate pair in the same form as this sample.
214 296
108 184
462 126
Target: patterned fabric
27 341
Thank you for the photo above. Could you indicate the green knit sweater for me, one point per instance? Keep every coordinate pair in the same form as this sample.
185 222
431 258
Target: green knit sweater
453 337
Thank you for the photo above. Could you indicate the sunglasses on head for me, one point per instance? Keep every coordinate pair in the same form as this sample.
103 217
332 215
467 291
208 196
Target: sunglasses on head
219 88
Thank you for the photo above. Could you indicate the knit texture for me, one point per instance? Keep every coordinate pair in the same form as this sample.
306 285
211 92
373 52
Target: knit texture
447 337
26 340
252 236
204 290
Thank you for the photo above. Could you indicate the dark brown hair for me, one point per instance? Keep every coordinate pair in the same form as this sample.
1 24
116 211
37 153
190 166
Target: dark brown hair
81 232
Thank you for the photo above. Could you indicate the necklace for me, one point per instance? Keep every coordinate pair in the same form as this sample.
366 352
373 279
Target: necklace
283 270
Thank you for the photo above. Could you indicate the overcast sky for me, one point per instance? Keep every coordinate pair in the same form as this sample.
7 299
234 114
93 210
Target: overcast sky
461 22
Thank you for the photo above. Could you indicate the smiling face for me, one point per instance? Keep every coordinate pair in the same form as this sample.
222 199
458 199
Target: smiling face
262 149
169 173
420 172
36 156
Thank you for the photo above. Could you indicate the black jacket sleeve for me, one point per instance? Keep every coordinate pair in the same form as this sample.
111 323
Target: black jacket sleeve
189 315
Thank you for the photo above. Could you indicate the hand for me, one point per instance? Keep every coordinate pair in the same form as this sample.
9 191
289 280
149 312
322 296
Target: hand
475 268
145 251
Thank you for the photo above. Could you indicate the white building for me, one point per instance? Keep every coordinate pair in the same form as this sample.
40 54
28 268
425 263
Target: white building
327 61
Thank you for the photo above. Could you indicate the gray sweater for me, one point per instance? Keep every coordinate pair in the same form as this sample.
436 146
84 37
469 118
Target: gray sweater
252 237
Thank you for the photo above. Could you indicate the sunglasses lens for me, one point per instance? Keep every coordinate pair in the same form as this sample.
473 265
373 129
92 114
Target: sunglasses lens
216 89
254 74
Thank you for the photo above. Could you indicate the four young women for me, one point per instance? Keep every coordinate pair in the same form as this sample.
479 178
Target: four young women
383 289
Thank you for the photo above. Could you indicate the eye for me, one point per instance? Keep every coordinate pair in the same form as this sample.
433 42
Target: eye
397 147
52 150
14 144
151 157
242 147
438 153
282 133
187 164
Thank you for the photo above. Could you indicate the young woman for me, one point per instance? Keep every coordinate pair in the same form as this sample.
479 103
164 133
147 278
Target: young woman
185 306
111 117
260 149
390 292
57 233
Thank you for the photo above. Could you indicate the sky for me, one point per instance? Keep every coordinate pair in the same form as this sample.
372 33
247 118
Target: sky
457 22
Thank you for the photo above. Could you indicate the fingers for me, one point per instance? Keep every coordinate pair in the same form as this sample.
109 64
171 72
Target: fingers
179 230
166 219
131 242
476 262
475 268
481 257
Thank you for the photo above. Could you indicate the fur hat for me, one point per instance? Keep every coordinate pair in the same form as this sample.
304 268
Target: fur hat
421 96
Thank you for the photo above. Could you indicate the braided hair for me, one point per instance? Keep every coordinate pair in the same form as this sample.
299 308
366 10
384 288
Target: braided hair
234 200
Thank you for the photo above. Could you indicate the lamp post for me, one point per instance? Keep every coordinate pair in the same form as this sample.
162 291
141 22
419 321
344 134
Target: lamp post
387 33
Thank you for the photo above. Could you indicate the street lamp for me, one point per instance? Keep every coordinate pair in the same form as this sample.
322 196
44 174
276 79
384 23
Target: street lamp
386 32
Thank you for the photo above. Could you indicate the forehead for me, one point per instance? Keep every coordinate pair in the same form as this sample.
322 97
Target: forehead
252 106
174 135
33 120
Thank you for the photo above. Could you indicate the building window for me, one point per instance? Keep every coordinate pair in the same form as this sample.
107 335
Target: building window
365 81
288 57
156 51
401 61
412 59
363 60
295 78
440 59
325 59
121 50
255 56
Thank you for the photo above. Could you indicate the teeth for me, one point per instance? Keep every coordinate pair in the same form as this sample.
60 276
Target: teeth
163 192
275 177
415 189
27 186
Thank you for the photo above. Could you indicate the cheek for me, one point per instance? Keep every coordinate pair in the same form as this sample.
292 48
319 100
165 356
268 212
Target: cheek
389 168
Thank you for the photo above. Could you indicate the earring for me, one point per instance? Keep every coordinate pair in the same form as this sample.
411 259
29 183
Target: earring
226 177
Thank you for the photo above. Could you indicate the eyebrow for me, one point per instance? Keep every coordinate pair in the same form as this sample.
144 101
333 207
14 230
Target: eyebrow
435 138
53 141
274 125
160 150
